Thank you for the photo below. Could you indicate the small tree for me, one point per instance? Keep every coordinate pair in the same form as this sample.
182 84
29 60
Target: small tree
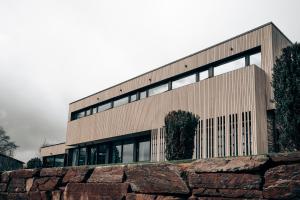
286 83
34 163
7 147
180 132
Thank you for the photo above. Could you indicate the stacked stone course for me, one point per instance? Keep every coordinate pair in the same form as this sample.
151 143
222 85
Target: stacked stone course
274 176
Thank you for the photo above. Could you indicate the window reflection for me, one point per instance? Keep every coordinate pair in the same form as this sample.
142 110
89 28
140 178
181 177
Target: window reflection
133 98
143 95
93 156
184 81
74 157
128 153
144 151
230 66
158 89
255 59
82 156
121 101
103 154
104 107
116 153
203 75
59 160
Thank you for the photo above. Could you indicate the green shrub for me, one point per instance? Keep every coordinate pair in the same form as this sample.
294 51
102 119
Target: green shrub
180 131
286 83
34 163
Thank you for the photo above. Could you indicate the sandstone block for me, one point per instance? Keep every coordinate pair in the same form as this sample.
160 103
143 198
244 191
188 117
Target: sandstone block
45 184
114 174
133 196
282 182
152 179
76 175
235 164
97 191
29 183
16 185
4 177
224 180
17 196
56 171
229 193
24 173
160 197
285 157
56 194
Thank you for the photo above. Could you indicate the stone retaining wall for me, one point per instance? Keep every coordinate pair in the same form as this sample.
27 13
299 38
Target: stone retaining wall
275 176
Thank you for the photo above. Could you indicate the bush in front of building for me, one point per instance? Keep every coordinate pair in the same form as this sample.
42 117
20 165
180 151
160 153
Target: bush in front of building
34 163
180 131
286 83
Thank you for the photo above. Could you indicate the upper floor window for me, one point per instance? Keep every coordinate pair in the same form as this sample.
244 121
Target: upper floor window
94 110
229 66
203 75
255 59
184 81
158 89
88 112
133 98
104 107
121 101
143 94
81 114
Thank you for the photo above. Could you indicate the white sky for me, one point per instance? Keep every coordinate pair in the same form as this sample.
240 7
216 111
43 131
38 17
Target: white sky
55 52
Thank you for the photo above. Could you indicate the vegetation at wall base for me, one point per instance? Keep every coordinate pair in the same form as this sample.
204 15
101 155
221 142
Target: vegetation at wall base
286 83
34 163
180 131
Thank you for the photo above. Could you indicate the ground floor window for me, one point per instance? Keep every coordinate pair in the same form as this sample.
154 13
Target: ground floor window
129 150
54 161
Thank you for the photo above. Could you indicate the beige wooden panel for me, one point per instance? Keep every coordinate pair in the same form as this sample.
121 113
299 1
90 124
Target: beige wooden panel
53 150
261 36
233 92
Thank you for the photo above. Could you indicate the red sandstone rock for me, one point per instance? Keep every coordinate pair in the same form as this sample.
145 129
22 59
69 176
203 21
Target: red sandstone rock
17 196
34 195
45 184
45 195
3 187
56 195
29 183
224 180
251 163
114 174
16 185
169 198
24 173
4 177
230 193
99 191
285 157
133 196
76 175
153 179
58 171
282 182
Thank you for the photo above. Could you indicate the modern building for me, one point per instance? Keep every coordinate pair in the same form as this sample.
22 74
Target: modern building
227 85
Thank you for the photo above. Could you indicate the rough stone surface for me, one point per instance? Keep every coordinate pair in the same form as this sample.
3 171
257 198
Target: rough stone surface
224 180
285 157
3 195
96 191
230 193
29 183
16 185
56 195
17 196
155 179
4 178
3 187
113 174
282 182
45 184
24 173
76 175
57 171
251 163
133 196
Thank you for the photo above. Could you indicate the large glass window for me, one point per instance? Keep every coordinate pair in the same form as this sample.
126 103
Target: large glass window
92 155
48 161
230 66
88 112
59 160
104 107
74 157
203 75
103 153
117 153
184 81
80 114
133 98
255 59
158 89
128 153
143 94
82 156
121 101
144 151
94 110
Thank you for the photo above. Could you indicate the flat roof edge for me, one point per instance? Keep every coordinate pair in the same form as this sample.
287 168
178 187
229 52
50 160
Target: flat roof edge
254 29
50 145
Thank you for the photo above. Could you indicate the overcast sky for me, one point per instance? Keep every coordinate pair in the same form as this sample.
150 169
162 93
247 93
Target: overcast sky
55 52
